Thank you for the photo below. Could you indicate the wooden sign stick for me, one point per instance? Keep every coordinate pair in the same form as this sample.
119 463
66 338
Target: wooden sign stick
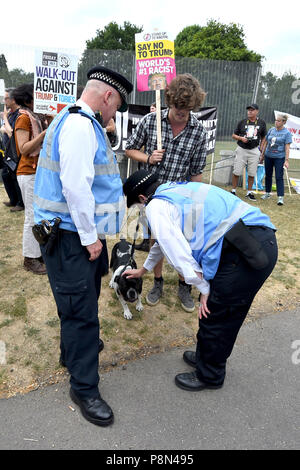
158 119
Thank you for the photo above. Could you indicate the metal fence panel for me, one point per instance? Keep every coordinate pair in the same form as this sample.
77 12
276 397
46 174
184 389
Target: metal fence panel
230 85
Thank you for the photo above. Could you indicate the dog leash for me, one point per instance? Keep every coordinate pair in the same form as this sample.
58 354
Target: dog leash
125 221
131 256
135 238
135 234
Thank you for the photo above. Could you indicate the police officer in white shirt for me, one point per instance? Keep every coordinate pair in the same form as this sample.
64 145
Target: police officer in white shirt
78 182
218 243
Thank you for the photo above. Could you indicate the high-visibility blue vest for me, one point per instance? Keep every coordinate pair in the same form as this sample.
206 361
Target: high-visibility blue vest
207 213
49 201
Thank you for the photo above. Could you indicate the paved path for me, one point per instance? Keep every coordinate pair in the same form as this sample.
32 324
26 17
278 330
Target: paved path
258 407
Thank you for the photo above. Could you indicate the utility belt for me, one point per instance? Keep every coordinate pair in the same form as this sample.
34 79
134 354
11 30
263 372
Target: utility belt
46 233
248 246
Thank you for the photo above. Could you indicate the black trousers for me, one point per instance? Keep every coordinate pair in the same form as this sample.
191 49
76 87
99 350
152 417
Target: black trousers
12 186
76 282
232 292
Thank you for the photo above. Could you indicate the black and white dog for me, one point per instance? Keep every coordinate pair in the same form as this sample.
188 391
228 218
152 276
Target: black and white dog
127 290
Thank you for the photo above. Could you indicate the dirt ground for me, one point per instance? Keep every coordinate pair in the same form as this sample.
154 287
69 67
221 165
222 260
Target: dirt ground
29 327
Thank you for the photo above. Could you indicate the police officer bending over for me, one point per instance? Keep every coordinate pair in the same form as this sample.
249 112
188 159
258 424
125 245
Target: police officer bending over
78 184
218 243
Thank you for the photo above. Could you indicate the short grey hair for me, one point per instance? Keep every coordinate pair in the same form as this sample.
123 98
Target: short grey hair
283 117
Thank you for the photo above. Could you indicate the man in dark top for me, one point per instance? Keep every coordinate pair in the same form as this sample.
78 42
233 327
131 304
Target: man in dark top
11 112
249 134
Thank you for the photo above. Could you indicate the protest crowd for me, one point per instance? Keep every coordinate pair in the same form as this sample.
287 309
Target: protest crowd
61 171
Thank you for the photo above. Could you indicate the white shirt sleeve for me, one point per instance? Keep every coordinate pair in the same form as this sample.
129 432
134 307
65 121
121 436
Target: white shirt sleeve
164 220
154 256
77 148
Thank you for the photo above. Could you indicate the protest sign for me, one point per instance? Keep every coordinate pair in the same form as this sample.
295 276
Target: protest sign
155 60
208 118
293 125
295 184
2 90
127 122
55 81
155 67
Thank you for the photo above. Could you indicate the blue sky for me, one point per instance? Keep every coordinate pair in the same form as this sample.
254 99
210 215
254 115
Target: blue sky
271 28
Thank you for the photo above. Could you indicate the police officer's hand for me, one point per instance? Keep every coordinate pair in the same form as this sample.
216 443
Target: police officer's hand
203 310
94 250
134 273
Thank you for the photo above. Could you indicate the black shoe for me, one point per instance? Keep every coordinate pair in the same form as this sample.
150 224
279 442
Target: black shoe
190 358
144 246
190 382
95 410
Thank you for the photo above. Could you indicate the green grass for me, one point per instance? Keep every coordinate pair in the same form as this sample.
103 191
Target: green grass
129 340
31 331
16 309
53 322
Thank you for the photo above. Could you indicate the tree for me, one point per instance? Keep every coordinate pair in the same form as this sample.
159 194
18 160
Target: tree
14 77
225 62
276 94
104 49
115 37
17 77
216 41
3 68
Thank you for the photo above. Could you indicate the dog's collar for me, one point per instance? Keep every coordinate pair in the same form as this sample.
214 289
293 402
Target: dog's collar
127 266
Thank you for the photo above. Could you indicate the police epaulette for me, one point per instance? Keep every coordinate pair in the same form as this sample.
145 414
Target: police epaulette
74 109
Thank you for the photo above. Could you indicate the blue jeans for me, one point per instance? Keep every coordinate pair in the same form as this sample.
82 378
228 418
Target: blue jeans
278 163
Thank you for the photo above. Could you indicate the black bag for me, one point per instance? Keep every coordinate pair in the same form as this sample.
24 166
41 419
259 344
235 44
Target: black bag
250 248
11 156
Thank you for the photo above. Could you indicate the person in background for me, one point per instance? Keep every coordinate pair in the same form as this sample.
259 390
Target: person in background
29 136
10 114
182 157
145 244
249 134
275 153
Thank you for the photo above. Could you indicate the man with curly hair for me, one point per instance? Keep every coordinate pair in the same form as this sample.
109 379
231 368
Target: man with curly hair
182 158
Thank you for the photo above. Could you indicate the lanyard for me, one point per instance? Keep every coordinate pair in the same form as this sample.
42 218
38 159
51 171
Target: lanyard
255 124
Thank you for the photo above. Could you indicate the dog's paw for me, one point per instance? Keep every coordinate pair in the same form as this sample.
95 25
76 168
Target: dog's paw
111 284
128 315
139 307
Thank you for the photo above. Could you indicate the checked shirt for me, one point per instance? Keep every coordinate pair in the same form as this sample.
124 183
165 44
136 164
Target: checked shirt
185 154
